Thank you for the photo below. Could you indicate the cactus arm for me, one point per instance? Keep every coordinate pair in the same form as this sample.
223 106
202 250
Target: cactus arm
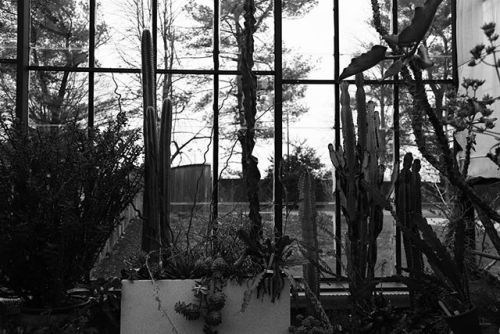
361 108
164 171
156 201
151 238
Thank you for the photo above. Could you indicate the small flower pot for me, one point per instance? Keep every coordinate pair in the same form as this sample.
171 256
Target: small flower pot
465 323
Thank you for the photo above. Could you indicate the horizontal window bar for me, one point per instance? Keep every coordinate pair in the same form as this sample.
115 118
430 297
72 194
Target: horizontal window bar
7 61
138 70
366 81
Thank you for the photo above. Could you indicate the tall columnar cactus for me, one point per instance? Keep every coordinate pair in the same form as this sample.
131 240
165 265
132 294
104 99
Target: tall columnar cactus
307 217
246 135
156 200
361 176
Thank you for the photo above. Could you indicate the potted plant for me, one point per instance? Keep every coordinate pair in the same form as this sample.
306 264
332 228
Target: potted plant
204 286
236 287
63 190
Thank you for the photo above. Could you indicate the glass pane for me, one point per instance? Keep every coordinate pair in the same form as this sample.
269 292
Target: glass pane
308 127
305 57
119 25
57 97
231 25
356 34
118 92
59 33
7 89
192 152
8 29
233 200
185 30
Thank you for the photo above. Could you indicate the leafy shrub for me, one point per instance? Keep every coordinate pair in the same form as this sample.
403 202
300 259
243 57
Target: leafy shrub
62 191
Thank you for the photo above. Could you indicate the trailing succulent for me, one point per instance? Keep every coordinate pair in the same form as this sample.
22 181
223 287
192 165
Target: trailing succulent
209 295
262 263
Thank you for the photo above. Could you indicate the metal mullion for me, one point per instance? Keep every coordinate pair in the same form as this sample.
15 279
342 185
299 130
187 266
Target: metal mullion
338 216
215 151
396 131
137 70
154 28
454 43
22 75
278 120
367 81
8 61
91 110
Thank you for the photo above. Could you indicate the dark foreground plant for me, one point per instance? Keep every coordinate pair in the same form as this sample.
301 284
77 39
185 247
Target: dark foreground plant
62 192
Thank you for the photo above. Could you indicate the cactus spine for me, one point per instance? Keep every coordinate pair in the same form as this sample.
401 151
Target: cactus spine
156 199
307 217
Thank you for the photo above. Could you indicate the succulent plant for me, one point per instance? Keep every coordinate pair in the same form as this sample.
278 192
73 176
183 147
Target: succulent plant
156 201
216 300
213 318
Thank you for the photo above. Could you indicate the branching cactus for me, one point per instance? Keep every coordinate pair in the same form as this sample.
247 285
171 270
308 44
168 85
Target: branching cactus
307 217
357 162
156 199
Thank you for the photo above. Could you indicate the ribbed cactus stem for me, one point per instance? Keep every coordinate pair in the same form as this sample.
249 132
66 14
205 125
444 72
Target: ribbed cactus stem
307 217
164 170
358 165
148 75
361 108
246 135
156 200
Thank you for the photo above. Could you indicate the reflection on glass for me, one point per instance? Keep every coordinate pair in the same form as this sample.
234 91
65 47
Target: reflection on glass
59 33
57 97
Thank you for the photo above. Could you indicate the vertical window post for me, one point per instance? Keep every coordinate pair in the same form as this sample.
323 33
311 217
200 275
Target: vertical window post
215 155
338 216
395 122
278 120
91 63
22 75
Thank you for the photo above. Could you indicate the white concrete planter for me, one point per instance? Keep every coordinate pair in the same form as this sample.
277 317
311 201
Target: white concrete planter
148 308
